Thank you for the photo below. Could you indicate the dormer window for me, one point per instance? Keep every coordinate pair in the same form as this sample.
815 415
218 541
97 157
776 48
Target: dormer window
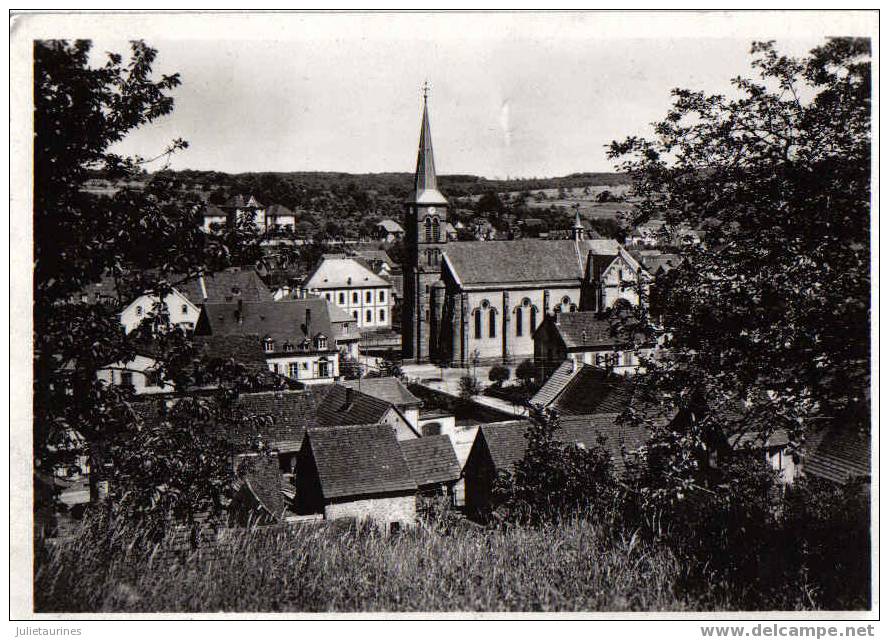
268 345
288 348
321 342
305 344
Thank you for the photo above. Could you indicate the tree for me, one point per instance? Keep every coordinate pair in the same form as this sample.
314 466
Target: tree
137 238
768 324
554 478
469 387
498 374
526 372
490 203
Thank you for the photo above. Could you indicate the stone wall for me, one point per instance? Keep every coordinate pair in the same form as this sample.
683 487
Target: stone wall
383 510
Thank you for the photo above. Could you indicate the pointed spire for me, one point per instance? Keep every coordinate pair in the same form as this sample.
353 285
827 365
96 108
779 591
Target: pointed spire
425 181
578 226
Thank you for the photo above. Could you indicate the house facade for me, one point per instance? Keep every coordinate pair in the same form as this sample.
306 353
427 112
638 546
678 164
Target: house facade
296 335
352 286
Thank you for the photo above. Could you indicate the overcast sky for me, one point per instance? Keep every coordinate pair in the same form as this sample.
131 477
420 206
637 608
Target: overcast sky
516 95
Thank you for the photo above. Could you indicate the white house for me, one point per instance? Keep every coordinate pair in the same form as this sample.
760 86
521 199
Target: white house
141 373
352 286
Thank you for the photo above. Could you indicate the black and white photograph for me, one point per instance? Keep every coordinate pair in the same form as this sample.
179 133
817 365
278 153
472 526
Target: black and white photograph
446 314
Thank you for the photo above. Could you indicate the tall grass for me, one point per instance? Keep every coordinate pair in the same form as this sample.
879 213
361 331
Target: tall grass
566 566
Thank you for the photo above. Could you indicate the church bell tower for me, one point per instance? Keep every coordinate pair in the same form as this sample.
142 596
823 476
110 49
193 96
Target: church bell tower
425 230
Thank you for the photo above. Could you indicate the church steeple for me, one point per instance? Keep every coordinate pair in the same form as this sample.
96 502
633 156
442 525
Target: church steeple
577 230
425 182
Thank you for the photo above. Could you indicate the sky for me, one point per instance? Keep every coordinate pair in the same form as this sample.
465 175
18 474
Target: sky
512 95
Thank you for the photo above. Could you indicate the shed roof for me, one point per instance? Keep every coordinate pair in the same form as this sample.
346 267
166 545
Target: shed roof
431 459
359 460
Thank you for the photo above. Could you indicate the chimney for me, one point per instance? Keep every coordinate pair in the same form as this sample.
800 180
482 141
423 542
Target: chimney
350 396
239 314
308 322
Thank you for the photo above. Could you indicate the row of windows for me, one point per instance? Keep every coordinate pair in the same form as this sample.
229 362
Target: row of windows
492 319
140 310
268 345
368 297
320 369
369 315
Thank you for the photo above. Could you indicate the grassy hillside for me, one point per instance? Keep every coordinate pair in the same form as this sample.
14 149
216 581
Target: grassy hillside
568 567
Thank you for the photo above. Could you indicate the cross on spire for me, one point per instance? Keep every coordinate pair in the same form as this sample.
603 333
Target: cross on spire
426 89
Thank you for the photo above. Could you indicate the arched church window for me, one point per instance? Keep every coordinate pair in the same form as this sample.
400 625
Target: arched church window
492 323
519 316
428 230
533 319
435 230
477 318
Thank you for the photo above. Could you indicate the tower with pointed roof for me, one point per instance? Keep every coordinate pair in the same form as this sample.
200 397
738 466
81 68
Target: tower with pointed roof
426 218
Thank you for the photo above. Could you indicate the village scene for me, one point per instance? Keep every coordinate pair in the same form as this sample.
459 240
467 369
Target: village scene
639 390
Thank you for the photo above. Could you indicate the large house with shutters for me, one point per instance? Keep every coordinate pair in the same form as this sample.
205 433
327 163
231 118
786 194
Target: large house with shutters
485 299
297 337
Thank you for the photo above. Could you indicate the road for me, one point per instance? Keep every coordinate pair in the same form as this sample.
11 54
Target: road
448 380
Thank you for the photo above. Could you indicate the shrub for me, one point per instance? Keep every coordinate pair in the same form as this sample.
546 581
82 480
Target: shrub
469 387
498 374
526 372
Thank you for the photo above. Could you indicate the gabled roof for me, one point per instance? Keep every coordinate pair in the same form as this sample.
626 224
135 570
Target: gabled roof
665 261
431 459
343 273
390 390
526 261
241 201
280 418
507 442
228 285
584 329
359 460
278 210
283 321
245 350
265 481
213 211
838 454
343 405
594 390
391 226
556 383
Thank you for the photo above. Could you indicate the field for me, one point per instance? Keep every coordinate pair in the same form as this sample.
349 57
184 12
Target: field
567 567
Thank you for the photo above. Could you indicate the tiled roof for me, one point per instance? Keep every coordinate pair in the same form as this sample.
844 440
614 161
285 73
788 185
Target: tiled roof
346 406
665 261
342 273
278 210
391 390
513 261
279 418
556 383
507 443
265 481
431 459
374 255
391 226
359 460
584 329
838 454
283 321
246 350
211 210
225 286
594 390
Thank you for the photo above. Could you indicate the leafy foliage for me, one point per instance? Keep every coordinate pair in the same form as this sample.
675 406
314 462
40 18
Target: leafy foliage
469 387
766 325
498 374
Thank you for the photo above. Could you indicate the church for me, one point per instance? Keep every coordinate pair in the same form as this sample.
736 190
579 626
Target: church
484 299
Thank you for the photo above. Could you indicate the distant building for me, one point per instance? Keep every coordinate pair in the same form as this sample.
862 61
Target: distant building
296 335
389 231
357 472
351 285
346 406
275 217
581 389
188 294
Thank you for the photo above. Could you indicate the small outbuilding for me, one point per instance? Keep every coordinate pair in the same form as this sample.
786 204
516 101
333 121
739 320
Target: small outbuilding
433 464
356 472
